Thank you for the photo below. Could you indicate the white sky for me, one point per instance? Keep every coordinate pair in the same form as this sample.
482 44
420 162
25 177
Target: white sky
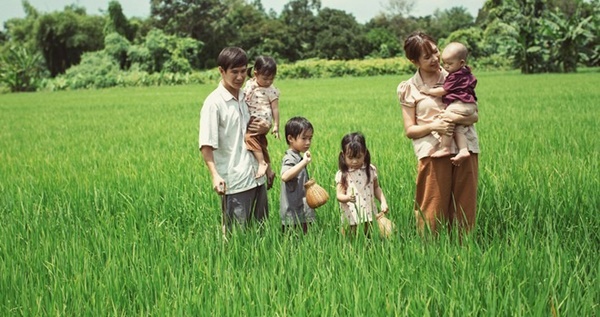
363 10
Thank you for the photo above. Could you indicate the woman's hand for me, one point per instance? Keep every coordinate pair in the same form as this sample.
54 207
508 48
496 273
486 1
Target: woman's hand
449 116
442 127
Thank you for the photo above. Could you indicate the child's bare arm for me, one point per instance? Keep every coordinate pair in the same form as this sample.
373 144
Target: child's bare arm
296 169
380 196
436 91
275 112
342 196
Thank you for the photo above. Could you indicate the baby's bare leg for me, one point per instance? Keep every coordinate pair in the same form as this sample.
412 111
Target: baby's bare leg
444 147
461 142
262 164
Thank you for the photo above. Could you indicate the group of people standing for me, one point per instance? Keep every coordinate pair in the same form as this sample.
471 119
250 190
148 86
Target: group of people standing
438 108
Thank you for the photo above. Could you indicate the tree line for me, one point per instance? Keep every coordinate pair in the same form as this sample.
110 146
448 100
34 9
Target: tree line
184 36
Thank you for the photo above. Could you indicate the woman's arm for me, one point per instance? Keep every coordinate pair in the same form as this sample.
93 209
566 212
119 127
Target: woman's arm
415 131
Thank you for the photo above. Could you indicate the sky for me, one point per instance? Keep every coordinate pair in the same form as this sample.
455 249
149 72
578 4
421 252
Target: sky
363 10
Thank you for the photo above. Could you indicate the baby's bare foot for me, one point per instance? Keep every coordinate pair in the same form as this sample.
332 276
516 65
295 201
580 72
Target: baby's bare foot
460 157
441 152
262 169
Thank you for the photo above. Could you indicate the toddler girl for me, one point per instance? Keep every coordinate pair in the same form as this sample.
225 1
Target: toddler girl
263 102
357 184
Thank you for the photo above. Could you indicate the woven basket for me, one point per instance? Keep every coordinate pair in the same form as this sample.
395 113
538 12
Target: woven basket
316 196
386 226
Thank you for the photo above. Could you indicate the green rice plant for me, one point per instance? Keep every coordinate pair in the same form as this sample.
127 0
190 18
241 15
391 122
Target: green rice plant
106 208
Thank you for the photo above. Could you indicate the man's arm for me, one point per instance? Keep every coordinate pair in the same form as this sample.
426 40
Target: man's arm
218 182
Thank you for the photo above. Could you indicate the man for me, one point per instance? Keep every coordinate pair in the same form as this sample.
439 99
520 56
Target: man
224 119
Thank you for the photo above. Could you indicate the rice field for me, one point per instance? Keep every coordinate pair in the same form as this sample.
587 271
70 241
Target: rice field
106 208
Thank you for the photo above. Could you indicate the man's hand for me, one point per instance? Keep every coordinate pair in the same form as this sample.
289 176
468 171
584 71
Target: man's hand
219 185
258 126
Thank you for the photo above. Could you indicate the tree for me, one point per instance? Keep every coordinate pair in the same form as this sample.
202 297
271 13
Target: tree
249 27
339 36
399 26
117 22
21 31
117 46
382 43
64 36
202 20
299 17
401 8
21 70
450 20
541 36
566 35
162 52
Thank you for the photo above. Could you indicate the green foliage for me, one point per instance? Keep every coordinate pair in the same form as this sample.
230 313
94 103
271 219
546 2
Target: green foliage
339 36
471 38
64 36
117 46
383 43
567 34
169 53
358 68
300 20
96 70
203 20
539 36
21 70
186 36
444 22
117 22
106 208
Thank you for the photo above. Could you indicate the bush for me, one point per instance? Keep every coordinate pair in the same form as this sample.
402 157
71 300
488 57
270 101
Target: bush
21 70
324 68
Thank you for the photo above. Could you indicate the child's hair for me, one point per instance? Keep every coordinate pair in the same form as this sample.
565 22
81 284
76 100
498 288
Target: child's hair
462 52
295 126
264 65
232 57
353 144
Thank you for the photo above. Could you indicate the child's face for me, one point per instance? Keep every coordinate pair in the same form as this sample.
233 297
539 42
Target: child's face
451 62
264 80
301 143
356 161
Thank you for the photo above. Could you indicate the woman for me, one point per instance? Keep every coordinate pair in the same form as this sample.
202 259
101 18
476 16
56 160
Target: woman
446 193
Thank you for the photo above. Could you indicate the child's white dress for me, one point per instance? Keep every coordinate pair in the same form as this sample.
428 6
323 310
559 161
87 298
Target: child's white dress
363 209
